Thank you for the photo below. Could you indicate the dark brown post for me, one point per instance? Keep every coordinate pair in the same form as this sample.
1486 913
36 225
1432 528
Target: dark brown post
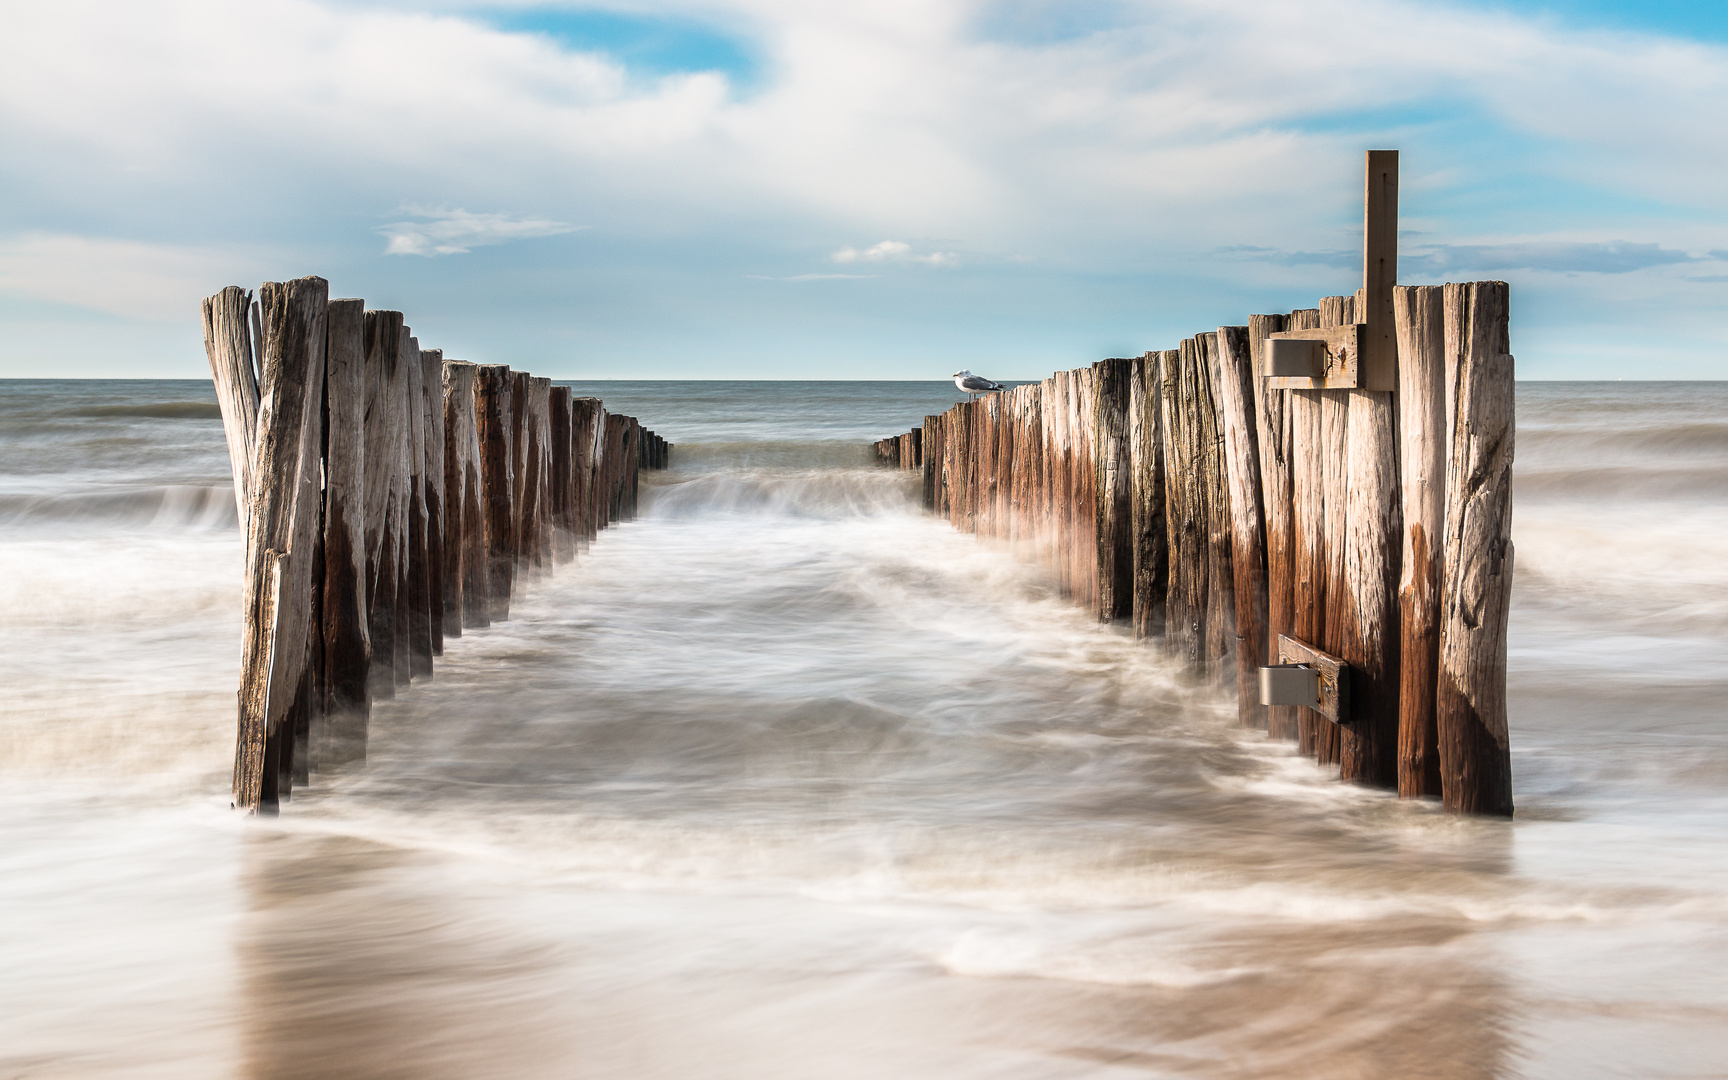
1368 638
492 418
563 486
419 573
432 410
1335 492
586 427
1185 509
1272 429
467 568
1476 589
385 421
347 646
1113 472
1149 531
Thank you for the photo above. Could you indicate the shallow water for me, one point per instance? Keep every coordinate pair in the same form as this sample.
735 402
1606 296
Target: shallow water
785 779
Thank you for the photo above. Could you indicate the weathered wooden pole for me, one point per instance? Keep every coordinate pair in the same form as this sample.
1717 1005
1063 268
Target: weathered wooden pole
1335 522
1368 638
1423 452
228 345
419 572
1185 508
563 486
467 567
1147 528
1272 430
493 410
1220 623
283 524
1112 479
386 419
347 646
520 436
1238 413
932 467
586 426
1476 586
432 410
1307 524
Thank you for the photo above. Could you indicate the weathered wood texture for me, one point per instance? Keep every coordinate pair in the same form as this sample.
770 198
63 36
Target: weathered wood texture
1476 583
346 702
283 525
1237 414
419 590
492 417
1192 495
386 419
467 566
228 344
1422 456
432 409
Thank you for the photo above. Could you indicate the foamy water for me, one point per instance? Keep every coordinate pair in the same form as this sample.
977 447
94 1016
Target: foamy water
787 780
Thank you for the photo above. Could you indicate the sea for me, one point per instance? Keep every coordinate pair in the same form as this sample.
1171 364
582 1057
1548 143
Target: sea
786 779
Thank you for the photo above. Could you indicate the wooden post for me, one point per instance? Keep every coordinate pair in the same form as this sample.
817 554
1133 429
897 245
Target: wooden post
1237 411
1368 636
932 449
1147 527
585 427
467 595
1220 622
385 423
519 470
228 345
1308 523
1113 471
1476 587
283 522
563 486
419 548
1422 454
1185 604
1272 429
1335 494
493 410
347 646
432 406
1379 362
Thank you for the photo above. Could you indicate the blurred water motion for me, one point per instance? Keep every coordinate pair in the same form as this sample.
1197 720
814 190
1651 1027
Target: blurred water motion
787 780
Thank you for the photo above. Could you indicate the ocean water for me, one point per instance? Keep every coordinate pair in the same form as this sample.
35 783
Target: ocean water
786 780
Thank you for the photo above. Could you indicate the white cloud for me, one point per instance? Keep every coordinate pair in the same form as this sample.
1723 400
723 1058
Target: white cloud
895 251
455 232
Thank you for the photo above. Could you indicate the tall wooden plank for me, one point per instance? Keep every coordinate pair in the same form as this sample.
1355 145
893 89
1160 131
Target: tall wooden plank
1237 411
1113 470
1147 527
467 570
284 521
1335 488
432 410
563 487
1185 603
1379 360
932 466
1368 637
1220 621
1308 524
585 427
419 547
386 417
347 646
520 528
1422 457
1272 411
1476 584
228 345
493 412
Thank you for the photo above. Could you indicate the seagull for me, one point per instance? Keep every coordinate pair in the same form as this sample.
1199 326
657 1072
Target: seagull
973 385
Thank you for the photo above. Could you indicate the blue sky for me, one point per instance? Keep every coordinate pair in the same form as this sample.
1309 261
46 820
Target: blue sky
769 189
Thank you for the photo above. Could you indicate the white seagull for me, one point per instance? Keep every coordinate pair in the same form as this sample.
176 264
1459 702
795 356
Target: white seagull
973 385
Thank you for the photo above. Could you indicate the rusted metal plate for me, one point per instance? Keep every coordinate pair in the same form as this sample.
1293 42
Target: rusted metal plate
1334 703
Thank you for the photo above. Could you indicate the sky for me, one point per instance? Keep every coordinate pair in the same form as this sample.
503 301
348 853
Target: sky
883 190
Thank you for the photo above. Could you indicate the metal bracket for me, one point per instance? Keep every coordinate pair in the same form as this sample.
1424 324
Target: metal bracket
1307 677
1324 359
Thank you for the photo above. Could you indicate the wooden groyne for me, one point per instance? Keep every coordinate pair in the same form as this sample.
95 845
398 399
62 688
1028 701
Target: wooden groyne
390 499
1251 499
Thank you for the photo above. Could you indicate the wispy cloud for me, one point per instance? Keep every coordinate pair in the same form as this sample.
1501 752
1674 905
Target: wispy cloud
895 251
1439 260
455 232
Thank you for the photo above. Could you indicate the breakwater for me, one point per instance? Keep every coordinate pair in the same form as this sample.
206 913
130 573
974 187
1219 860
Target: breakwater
390 498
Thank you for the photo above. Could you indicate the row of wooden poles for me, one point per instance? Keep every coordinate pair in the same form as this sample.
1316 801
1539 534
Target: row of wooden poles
390 499
1179 493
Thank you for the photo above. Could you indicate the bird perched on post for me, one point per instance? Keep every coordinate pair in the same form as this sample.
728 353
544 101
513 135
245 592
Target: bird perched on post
973 385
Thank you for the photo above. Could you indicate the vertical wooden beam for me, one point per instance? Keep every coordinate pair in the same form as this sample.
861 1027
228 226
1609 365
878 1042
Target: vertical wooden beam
585 427
1476 587
1113 472
1308 524
1185 603
432 411
1368 637
1379 364
1220 619
563 488
467 595
1335 494
347 646
1272 411
1422 456
385 419
932 467
493 410
228 345
1149 536
1237 411
283 515
519 437
419 573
